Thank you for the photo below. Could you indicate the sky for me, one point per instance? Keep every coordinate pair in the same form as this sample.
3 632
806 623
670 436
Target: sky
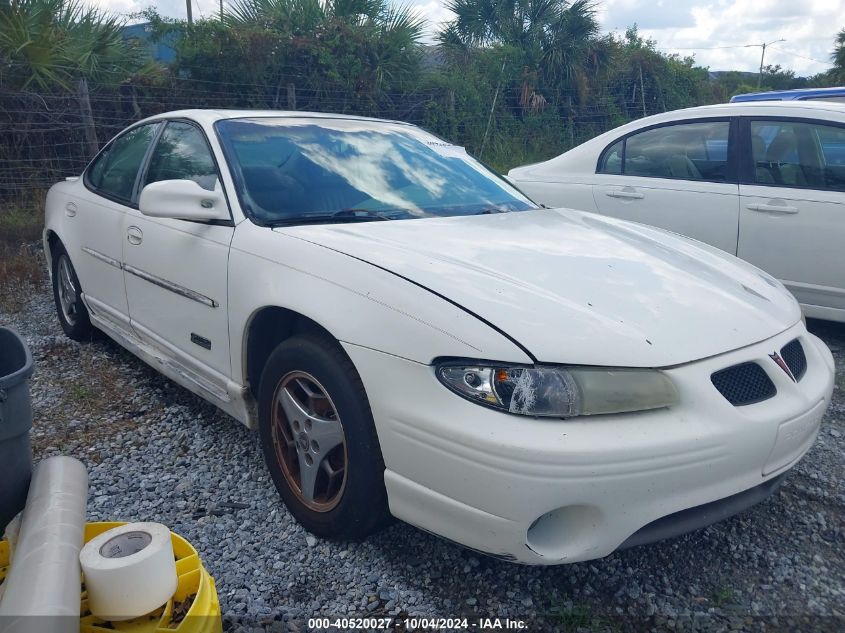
721 34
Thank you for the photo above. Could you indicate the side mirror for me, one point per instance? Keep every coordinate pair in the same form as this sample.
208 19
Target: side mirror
183 200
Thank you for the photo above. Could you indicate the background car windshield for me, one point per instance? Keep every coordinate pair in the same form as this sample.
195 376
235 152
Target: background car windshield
289 169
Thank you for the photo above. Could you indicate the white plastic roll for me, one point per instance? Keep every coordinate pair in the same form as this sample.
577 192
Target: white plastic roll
43 579
129 570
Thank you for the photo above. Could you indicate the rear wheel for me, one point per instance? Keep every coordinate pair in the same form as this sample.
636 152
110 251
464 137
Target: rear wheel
319 440
67 294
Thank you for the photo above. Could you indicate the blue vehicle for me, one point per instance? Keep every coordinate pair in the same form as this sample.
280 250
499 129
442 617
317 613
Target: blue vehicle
800 94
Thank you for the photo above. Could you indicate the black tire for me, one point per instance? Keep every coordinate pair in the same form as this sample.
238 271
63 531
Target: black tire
74 319
361 506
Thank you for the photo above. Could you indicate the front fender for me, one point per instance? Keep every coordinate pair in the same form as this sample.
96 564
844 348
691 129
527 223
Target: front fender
356 302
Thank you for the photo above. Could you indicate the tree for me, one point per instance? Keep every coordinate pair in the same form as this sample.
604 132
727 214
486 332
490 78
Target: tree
348 51
838 57
48 43
558 40
645 81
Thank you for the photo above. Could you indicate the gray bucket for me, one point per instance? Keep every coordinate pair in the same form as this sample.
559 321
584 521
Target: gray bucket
15 422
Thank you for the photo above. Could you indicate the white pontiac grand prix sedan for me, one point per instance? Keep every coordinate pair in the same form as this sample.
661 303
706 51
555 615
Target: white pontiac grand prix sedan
412 336
761 180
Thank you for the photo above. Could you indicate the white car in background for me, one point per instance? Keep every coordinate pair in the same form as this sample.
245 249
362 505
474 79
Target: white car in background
411 335
761 180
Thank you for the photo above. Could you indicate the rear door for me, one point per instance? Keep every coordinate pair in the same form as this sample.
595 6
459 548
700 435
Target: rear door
792 216
176 270
679 176
111 183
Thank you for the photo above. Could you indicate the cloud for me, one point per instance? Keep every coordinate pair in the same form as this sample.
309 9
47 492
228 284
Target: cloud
620 14
723 33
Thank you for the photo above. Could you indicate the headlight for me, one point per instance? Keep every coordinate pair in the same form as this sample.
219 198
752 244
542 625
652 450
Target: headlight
559 392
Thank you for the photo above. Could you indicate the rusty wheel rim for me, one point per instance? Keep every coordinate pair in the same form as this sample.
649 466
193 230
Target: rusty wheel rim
309 441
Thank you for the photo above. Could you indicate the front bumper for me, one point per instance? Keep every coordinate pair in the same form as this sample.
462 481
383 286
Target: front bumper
551 491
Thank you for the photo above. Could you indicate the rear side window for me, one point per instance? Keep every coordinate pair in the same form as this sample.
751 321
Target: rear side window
114 171
611 162
834 98
182 153
685 151
798 154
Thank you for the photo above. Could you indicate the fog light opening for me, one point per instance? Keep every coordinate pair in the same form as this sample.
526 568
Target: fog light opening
561 532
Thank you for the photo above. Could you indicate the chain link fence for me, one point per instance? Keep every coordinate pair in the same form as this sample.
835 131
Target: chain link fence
47 136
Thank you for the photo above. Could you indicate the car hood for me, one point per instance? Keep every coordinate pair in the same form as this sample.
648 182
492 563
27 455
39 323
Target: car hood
574 287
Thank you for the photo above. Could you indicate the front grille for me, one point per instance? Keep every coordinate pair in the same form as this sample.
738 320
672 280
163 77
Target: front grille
744 384
793 355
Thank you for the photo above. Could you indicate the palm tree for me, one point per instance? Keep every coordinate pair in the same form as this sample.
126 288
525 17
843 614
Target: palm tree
558 39
293 17
391 34
49 43
838 57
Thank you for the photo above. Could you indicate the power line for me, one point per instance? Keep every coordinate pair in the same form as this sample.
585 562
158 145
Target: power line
702 48
811 59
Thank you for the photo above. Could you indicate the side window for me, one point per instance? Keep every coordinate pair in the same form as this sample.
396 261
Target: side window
796 154
687 151
114 171
611 160
834 98
182 154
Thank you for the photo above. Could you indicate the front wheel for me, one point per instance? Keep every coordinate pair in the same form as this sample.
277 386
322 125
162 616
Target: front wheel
67 293
319 440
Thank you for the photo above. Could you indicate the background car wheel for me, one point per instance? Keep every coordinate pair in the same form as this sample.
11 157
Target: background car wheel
67 293
319 440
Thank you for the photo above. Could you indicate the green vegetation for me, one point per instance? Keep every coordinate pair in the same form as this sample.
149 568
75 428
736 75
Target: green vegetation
48 44
722 596
569 619
837 73
21 270
513 80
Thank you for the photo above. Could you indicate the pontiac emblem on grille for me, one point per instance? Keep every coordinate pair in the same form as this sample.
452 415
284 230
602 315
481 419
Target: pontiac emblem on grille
782 364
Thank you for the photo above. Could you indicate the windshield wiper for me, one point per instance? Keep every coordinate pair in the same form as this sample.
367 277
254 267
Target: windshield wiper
344 215
491 210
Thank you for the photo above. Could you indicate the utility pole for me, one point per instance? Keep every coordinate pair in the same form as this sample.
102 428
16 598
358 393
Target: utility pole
762 58
221 11
190 13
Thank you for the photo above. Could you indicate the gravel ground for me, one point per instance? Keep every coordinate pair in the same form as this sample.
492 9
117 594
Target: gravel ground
155 452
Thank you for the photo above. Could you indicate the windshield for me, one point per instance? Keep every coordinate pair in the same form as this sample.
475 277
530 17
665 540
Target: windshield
300 170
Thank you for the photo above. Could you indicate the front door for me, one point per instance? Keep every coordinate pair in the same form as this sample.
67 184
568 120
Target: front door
176 270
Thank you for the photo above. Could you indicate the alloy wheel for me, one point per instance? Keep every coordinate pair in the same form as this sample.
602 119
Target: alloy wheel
67 291
309 441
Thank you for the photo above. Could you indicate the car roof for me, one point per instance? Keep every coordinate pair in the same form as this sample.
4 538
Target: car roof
790 95
211 116
809 109
741 107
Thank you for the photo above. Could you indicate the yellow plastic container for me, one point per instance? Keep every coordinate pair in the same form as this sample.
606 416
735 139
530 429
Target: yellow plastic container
195 584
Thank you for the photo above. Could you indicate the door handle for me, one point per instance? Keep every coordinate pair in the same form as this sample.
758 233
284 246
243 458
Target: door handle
772 208
70 209
625 195
134 235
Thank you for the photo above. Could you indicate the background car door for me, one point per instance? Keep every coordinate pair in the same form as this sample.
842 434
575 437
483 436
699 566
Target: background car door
792 221
176 270
678 177
98 216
